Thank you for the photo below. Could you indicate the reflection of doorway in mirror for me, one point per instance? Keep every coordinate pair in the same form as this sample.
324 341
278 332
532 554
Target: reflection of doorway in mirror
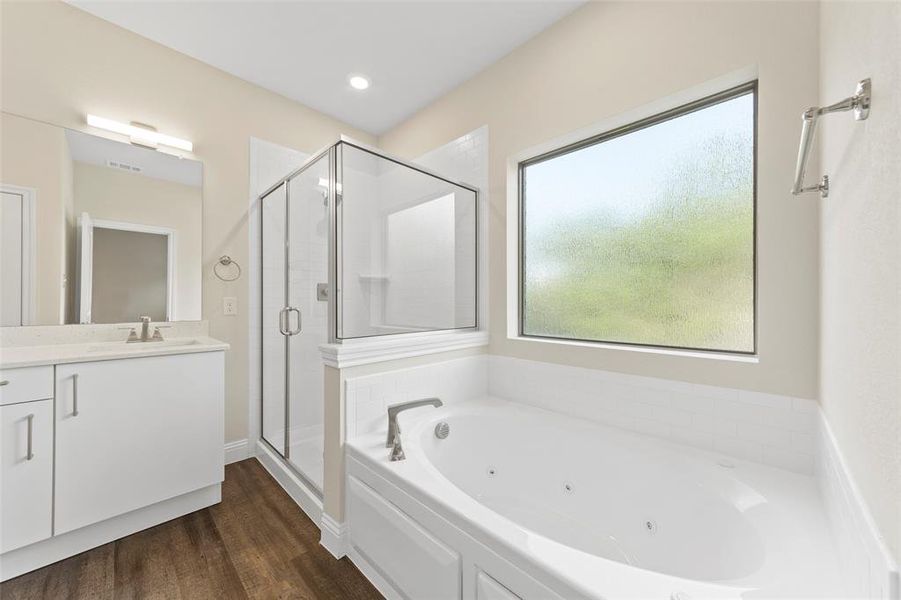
17 255
126 271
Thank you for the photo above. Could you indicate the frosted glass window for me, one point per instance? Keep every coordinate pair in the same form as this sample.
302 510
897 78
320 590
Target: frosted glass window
645 235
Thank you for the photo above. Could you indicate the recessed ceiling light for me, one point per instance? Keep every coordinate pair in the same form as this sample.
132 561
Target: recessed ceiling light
358 82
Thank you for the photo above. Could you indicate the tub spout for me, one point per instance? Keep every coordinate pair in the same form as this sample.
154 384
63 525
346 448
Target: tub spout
393 440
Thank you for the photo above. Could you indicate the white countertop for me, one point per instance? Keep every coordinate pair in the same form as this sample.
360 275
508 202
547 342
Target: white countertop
55 354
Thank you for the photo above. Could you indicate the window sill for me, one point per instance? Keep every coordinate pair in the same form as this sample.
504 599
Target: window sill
700 354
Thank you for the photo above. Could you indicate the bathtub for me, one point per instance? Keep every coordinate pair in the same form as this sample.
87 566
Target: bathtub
519 502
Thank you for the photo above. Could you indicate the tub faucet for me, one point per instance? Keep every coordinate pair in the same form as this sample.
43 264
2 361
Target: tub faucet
393 441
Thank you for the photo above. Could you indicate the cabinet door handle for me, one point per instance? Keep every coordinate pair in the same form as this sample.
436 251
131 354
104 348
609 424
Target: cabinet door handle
75 394
4 382
29 454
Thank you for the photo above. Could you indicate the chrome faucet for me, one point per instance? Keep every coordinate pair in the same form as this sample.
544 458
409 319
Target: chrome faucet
145 333
393 441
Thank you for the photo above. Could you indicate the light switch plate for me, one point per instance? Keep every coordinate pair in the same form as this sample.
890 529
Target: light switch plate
229 306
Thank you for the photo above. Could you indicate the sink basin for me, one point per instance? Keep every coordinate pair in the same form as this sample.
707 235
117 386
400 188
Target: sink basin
141 346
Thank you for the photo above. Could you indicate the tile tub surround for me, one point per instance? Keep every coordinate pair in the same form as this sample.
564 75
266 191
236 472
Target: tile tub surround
766 428
769 429
870 570
369 396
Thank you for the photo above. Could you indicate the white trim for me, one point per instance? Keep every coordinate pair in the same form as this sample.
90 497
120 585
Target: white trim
703 354
334 536
692 94
290 482
37 555
171 248
236 451
28 293
352 353
869 568
370 572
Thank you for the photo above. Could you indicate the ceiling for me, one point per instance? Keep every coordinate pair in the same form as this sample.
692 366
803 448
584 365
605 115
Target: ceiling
413 52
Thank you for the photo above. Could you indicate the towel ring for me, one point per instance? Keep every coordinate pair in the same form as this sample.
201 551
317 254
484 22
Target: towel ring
226 261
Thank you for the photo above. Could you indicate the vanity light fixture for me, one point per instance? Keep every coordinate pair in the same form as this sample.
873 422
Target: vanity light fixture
358 82
139 134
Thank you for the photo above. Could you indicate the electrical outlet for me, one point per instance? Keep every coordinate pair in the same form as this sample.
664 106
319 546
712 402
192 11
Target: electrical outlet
229 306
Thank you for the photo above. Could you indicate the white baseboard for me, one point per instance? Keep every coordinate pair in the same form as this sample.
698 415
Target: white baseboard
40 554
333 536
236 450
299 491
870 570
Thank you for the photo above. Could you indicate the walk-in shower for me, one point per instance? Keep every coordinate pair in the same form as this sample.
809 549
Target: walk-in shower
355 244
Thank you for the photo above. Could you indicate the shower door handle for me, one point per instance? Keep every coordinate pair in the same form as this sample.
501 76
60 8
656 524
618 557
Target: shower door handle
299 321
282 322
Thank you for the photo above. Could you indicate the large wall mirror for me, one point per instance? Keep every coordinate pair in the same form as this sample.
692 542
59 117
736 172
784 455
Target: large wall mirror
94 230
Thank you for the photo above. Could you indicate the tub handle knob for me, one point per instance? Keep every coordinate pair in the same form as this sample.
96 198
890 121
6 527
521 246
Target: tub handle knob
397 450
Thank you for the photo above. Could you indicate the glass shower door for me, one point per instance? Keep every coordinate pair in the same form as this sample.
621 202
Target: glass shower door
274 300
308 227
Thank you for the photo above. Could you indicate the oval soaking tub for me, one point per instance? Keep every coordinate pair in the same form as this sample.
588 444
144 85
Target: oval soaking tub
605 513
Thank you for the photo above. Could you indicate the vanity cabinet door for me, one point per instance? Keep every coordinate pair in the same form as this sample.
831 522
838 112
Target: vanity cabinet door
133 432
26 472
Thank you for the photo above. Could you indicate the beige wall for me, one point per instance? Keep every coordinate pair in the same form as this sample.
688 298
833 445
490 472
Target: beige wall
59 63
36 155
113 195
860 381
609 58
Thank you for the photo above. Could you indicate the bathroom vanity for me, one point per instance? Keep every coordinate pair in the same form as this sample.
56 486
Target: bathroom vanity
111 392
99 440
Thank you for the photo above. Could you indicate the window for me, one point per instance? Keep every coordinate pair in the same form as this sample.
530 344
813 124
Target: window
645 235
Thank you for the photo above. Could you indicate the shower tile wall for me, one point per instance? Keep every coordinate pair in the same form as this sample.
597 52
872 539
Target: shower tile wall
465 159
422 271
362 257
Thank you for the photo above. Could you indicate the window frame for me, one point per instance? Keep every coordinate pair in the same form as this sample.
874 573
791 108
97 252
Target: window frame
750 87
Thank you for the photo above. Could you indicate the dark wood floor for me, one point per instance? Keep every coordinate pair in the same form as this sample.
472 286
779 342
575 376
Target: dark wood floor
255 544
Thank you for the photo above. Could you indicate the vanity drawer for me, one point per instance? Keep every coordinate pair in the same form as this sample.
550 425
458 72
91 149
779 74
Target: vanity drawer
26 384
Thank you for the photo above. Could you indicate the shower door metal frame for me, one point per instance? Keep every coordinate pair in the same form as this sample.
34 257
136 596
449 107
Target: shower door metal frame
286 181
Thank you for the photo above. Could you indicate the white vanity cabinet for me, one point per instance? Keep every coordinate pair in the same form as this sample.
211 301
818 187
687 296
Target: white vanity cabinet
133 432
26 456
